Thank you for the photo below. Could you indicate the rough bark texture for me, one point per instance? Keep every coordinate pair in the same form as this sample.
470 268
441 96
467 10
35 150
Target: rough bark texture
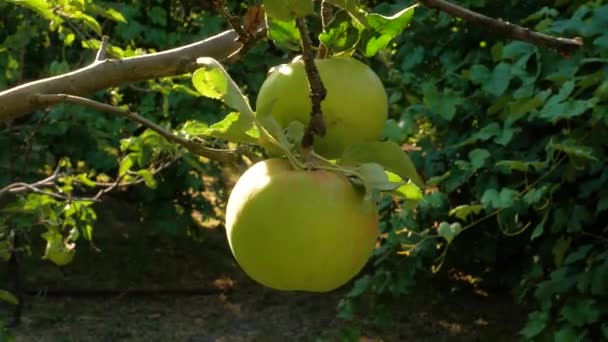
19 101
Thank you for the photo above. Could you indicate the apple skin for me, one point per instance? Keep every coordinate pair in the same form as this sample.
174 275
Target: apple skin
355 109
297 230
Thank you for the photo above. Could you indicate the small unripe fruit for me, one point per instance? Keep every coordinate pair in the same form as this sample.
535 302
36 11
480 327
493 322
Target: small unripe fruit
354 111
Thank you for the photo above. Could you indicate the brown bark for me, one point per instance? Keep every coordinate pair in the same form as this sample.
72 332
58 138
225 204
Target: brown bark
21 100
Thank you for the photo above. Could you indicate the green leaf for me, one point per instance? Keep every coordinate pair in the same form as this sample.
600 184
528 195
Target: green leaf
235 127
388 154
284 34
85 180
441 103
478 158
567 334
340 35
353 8
574 150
537 321
385 29
560 106
193 128
408 191
499 200
125 164
148 178
449 231
560 248
42 7
519 165
213 81
294 132
496 82
580 312
579 254
464 211
8 297
374 178
288 9
88 21
534 195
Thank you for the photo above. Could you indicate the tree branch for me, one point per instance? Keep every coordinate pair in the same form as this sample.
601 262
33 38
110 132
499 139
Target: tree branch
315 86
196 148
564 46
17 102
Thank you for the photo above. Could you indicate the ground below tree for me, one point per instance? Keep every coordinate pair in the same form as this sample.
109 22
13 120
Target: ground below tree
234 308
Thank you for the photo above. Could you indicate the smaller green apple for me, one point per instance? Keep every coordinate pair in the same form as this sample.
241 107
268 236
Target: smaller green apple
354 110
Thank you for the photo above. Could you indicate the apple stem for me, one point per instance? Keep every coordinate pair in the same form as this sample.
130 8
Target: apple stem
316 125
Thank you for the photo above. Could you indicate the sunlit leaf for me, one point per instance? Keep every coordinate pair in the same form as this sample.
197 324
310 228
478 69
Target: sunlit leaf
284 33
383 29
464 211
387 154
213 81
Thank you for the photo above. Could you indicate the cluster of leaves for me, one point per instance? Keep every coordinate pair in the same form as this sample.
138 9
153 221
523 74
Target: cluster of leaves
73 155
511 140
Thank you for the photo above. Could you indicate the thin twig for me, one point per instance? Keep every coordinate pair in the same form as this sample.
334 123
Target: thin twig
564 46
103 48
221 155
234 21
247 37
327 15
316 125
30 140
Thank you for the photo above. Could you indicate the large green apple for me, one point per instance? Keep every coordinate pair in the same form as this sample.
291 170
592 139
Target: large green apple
355 109
299 230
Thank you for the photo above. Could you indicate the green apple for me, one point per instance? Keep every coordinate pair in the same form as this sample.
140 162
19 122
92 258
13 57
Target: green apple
286 10
354 111
300 230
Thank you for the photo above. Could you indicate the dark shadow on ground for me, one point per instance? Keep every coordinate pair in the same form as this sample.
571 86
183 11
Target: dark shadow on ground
229 306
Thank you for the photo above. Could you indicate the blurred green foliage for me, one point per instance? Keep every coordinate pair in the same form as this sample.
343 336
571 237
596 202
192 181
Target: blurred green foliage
509 137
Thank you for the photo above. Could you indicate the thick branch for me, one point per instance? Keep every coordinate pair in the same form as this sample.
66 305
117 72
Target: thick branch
564 46
17 101
316 88
198 149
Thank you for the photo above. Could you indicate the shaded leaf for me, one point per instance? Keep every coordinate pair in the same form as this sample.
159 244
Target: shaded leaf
441 103
8 297
499 200
449 231
537 321
478 158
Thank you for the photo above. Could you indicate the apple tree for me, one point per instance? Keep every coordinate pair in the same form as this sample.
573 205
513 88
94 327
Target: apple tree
315 144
